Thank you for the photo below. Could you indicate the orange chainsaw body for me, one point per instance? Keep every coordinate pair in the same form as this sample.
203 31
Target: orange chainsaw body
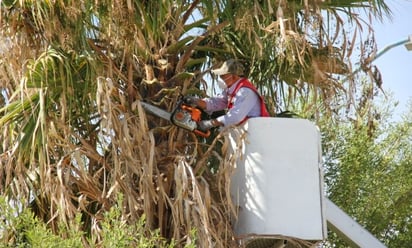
186 116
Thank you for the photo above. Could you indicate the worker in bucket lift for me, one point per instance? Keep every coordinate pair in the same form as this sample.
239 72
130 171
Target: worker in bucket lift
240 98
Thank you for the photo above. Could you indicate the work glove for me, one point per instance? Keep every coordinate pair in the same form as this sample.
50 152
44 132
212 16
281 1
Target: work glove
191 100
205 125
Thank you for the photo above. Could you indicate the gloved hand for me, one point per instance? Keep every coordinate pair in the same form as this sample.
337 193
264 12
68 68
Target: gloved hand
205 125
191 100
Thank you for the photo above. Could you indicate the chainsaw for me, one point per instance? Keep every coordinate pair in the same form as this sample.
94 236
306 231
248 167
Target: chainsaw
184 116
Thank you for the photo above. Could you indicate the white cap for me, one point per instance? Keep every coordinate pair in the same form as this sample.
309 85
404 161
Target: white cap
230 66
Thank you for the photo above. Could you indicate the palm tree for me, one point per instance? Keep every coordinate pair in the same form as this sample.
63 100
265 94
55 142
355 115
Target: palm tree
74 135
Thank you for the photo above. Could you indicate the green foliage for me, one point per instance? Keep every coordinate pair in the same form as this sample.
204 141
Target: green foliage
368 175
22 228
116 232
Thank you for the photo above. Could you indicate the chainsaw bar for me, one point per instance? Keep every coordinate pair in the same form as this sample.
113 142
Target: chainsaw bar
156 111
183 116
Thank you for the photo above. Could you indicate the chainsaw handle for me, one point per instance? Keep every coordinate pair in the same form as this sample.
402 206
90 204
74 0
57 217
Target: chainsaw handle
201 133
194 111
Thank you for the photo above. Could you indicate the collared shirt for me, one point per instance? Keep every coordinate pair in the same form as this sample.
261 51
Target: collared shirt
245 103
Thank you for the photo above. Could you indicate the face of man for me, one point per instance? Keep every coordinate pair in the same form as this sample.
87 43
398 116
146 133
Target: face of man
228 79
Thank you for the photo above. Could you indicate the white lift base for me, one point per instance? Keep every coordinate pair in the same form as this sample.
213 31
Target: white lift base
278 186
348 229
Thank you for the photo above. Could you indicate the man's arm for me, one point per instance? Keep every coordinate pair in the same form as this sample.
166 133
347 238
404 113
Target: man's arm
208 104
201 104
244 103
216 103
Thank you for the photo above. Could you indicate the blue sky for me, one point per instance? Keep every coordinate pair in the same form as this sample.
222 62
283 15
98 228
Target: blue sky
395 64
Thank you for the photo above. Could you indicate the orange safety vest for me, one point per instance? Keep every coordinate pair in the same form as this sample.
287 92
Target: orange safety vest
245 83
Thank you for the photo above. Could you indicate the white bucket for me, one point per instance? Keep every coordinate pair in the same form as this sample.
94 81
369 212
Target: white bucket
278 183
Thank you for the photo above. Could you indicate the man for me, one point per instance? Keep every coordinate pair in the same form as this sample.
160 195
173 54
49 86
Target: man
240 98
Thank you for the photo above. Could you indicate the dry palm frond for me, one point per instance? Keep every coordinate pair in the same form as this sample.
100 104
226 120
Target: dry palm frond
171 194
